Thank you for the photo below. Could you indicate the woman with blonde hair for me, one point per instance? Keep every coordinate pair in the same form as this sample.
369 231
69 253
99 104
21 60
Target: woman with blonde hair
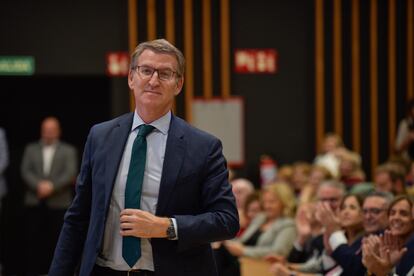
272 231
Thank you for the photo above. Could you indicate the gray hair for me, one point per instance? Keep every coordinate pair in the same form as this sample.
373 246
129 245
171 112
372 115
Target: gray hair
388 197
333 184
244 184
161 46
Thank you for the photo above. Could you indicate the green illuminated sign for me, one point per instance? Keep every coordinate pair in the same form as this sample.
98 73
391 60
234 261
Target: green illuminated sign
17 65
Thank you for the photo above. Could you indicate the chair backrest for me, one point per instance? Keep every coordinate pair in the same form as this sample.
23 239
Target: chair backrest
254 267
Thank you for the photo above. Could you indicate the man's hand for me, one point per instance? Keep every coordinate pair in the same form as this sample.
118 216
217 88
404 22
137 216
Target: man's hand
44 189
142 224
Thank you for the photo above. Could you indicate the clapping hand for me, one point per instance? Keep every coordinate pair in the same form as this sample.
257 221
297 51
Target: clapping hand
380 254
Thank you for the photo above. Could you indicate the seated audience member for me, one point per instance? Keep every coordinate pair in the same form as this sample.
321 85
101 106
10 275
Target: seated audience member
306 256
395 247
327 157
409 180
317 175
350 171
252 207
271 231
349 220
241 188
363 189
390 177
405 137
400 169
284 174
406 264
300 177
306 244
375 220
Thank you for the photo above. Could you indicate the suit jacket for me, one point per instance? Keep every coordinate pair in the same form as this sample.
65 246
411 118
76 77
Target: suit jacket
312 248
194 189
406 264
349 257
62 174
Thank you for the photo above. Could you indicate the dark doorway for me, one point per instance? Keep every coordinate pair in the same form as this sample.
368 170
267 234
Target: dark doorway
77 101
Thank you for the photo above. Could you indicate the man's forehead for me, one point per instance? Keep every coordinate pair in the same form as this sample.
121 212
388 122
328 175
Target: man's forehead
374 201
382 174
150 54
329 191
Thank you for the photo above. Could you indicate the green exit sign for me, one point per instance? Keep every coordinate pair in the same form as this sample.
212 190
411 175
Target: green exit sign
17 65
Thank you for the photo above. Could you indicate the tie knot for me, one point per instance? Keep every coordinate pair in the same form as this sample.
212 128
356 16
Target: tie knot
144 130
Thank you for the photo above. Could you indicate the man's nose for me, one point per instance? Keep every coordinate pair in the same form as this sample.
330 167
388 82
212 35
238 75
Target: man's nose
154 78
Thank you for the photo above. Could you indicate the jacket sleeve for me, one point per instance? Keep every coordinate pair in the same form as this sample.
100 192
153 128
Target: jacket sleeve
298 255
67 176
281 244
349 259
218 217
27 168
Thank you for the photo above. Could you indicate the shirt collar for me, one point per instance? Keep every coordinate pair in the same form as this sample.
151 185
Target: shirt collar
53 145
162 124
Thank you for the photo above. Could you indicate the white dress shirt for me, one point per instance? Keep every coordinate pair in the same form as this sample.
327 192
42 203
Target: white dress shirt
111 255
48 152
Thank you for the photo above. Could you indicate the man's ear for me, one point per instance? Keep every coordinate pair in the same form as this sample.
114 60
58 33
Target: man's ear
131 79
179 87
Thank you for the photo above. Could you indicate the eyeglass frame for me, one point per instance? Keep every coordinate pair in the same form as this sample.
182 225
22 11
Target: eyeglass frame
136 69
373 211
329 199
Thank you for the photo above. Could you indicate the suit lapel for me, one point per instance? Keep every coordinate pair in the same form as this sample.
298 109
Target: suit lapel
174 156
39 159
114 149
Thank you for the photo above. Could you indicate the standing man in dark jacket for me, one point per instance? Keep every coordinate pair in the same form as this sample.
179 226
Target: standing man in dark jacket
184 201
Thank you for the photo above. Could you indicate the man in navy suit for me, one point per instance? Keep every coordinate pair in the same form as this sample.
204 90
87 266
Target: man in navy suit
186 201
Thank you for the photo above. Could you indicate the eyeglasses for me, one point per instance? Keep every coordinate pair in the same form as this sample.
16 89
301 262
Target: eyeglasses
146 72
329 199
373 211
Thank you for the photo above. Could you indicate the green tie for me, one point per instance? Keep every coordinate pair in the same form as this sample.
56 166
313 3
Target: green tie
131 246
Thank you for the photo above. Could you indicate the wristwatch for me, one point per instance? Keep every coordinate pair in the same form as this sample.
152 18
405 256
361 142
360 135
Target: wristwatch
171 230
